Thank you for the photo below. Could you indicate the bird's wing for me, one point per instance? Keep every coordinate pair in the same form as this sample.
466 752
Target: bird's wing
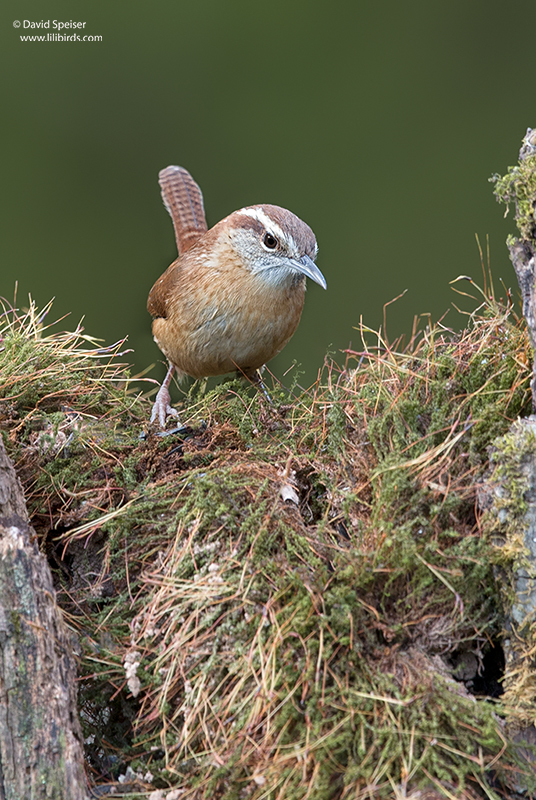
157 302
183 199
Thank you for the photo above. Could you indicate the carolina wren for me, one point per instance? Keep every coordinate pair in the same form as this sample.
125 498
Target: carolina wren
234 296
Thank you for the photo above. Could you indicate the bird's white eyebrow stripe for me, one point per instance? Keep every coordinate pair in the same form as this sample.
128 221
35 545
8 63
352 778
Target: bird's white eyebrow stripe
262 217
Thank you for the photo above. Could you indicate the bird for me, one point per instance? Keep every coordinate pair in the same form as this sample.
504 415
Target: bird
234 296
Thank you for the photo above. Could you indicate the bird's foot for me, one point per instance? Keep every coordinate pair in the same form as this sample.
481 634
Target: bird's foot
162 408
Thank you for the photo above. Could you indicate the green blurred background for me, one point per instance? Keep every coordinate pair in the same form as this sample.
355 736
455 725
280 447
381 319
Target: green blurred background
378 123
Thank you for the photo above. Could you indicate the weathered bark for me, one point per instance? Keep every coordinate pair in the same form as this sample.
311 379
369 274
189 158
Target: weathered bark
523 258
41 754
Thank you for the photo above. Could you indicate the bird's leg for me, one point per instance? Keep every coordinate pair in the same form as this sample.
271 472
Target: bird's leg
257 380
162 404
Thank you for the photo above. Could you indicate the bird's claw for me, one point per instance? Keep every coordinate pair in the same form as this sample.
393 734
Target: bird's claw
162 408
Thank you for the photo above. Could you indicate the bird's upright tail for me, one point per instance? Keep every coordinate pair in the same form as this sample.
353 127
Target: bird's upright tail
183 199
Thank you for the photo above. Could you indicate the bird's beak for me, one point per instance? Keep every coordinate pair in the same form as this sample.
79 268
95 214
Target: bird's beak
308 267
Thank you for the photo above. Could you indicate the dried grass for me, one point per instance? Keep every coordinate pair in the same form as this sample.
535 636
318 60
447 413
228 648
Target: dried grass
283 589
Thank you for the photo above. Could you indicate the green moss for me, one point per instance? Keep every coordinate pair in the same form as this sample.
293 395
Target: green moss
518 186
285 648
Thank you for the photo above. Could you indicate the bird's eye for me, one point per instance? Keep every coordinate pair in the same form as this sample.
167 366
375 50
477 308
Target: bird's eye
270 241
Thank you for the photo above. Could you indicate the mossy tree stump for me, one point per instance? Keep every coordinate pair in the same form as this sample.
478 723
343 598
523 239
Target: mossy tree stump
41 754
